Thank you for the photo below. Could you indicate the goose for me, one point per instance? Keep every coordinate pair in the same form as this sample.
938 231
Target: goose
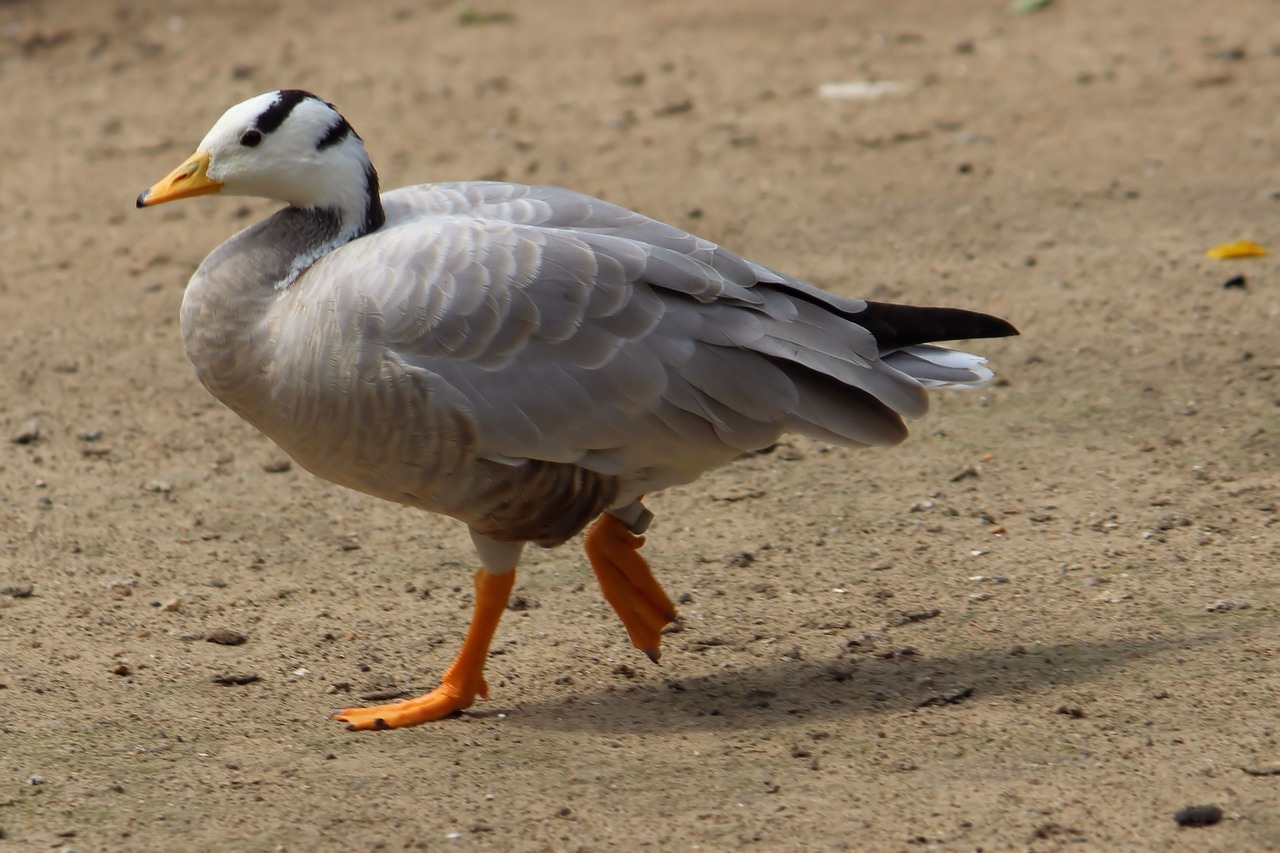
528 360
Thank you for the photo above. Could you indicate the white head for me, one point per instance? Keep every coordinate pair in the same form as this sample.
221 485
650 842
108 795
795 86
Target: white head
287 145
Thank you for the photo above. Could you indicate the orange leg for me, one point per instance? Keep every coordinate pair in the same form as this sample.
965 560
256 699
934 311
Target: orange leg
628 583
462 681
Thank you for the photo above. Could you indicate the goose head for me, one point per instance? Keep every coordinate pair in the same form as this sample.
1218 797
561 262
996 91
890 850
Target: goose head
286 145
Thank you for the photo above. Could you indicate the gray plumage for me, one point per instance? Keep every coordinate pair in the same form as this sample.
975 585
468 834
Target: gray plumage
524 358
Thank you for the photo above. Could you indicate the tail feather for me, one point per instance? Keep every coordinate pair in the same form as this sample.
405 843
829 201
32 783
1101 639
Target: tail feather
899 326
940 367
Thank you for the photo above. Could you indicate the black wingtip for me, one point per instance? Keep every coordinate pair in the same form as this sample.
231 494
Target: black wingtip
896 326
999 327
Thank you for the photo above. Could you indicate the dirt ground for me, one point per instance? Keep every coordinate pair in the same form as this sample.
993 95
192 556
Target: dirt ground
1048 621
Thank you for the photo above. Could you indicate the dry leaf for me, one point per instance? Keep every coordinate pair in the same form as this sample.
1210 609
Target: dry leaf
1237 249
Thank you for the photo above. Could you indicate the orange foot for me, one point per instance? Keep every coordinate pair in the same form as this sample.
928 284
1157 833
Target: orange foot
628 583
439 703
462 682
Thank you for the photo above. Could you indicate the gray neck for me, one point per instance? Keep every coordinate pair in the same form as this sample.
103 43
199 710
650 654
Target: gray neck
230 299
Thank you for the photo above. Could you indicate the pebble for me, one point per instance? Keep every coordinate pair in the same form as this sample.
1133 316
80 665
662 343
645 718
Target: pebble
236 680
29 433
916 616
223 637
1206 815
1225 605
949 697
1273 770
24 590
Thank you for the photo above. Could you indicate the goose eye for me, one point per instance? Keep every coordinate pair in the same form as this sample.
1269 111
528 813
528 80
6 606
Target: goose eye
250 138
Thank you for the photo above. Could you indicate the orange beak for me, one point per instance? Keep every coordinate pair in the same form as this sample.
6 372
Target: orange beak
189 179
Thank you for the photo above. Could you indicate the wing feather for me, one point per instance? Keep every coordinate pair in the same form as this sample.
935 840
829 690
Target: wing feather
573 330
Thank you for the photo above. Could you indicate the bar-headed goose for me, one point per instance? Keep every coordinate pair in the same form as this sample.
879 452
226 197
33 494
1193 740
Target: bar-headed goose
528 360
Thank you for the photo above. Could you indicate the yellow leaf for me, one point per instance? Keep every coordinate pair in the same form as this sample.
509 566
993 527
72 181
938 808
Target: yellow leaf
1238 249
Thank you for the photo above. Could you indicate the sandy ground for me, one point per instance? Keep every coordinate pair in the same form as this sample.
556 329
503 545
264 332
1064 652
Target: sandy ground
1048 621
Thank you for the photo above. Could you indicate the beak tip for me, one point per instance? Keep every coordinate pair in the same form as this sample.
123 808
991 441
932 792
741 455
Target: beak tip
142 198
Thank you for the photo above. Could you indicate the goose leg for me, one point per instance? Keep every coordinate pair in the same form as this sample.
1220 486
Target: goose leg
628 583
464 680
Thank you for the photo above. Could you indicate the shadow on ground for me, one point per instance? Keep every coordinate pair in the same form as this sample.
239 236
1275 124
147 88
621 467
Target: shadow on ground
839 688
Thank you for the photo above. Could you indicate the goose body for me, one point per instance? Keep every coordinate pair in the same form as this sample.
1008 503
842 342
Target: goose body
524 359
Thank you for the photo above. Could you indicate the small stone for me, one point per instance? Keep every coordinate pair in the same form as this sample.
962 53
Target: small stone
1225 605
120 669
224 637
948 697
277 466
29 433
674 107
236 680
916 616
1236 282
24 590
1273 770
37 779
1205 815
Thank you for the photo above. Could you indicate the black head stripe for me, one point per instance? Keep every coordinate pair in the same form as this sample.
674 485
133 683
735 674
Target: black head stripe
337 132
273 116
374 215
